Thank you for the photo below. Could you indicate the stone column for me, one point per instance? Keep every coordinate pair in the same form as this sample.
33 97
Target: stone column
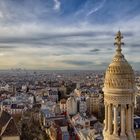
132 112
110 119
129 123
132 119
115 120
123 120
128 120
106 116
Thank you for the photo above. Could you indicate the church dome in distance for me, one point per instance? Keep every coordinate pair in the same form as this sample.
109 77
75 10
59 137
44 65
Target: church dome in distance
119 75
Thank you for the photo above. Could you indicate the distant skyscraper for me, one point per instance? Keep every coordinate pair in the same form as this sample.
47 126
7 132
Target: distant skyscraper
119 88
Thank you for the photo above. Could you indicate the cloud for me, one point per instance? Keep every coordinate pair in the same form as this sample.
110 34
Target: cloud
135 45
98 7
95 50
48 47
1 54
1 15
77 62
57 5
14 12
6 47
49 35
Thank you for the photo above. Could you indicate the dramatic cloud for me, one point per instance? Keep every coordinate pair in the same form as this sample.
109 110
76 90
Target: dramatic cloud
60 34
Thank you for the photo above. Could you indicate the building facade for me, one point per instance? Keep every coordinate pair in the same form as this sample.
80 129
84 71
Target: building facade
71 105
93 103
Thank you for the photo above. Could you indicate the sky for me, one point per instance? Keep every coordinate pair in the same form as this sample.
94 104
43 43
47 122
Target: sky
67 34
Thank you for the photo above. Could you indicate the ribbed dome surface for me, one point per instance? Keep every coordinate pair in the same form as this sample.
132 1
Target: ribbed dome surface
119 74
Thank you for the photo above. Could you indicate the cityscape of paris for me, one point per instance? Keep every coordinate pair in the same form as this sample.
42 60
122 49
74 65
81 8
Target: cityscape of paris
69 69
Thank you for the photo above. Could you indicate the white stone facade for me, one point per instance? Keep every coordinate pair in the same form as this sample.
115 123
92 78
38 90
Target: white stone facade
119 89
71 105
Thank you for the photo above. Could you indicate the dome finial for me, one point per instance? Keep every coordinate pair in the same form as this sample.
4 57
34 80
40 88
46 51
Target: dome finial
118 41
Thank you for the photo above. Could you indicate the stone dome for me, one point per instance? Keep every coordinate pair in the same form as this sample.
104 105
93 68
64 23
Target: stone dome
119 74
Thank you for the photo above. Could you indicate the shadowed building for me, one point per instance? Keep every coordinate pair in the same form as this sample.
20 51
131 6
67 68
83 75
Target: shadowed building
119 89
8 128
93 103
